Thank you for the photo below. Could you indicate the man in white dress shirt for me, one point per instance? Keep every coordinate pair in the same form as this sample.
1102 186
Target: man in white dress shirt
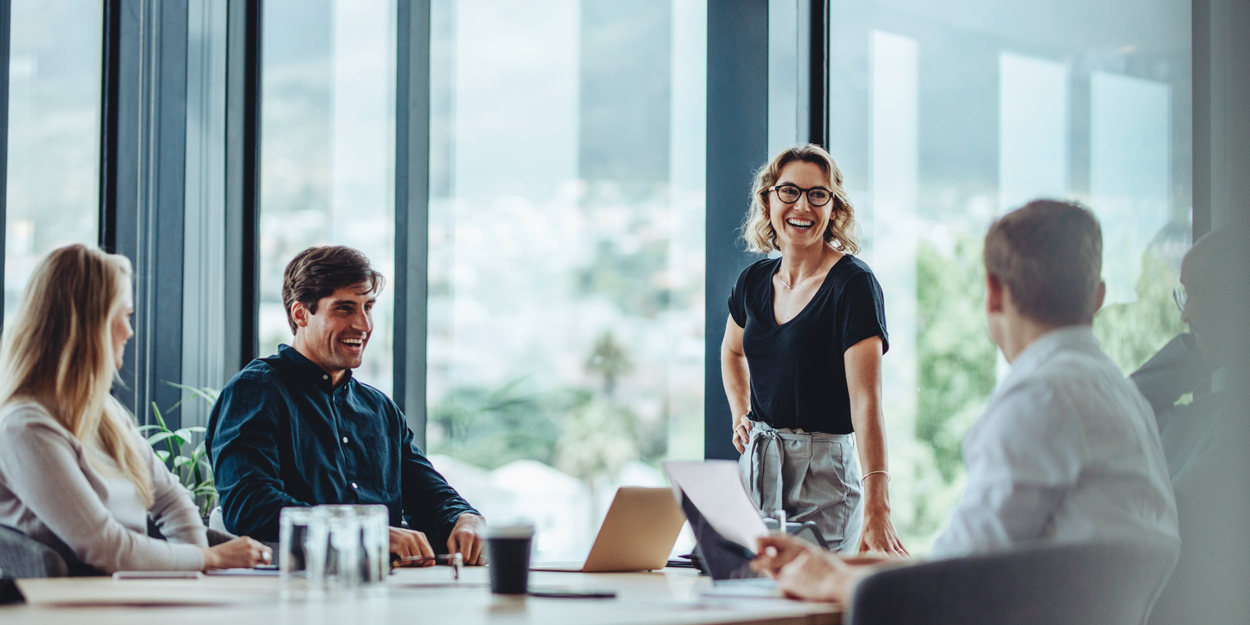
1066 450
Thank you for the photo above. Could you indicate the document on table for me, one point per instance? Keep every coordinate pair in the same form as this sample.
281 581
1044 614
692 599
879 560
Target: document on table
715 488
253 572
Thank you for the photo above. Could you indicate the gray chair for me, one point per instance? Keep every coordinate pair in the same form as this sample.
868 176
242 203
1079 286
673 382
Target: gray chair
23 557
1075 584
217 520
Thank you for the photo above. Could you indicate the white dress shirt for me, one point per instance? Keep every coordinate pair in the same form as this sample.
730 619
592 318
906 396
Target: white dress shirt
1066 451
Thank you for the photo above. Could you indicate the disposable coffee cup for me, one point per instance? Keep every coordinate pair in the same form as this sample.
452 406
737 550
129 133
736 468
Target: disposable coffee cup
508 548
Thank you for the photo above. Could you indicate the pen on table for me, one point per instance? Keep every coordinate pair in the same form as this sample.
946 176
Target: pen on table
455 561
441 558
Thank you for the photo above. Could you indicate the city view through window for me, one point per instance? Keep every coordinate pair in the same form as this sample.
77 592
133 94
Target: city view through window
566 254
946 114
54 134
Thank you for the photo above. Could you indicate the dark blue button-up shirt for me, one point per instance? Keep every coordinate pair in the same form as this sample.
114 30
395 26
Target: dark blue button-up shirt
281 434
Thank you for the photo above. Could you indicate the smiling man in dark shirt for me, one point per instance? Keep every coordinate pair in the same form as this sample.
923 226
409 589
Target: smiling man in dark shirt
296 429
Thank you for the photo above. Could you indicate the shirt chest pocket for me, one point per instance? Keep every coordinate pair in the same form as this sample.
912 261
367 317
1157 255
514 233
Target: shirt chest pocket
381 463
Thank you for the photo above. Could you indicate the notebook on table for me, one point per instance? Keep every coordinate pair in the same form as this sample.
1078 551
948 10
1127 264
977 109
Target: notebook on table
637 534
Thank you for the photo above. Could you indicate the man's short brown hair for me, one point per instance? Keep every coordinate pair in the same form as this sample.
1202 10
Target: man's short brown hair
318 272
1049 255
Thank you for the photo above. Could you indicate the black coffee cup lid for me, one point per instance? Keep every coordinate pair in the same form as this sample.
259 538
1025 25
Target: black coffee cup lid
511 530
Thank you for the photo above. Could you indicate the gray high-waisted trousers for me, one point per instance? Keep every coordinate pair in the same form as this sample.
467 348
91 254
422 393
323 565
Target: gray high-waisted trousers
811 475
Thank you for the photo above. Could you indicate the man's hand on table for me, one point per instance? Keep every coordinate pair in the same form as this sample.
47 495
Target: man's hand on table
803 571
467 538
407 543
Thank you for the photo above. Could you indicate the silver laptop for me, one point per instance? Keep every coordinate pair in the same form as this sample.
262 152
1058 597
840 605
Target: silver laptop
637 535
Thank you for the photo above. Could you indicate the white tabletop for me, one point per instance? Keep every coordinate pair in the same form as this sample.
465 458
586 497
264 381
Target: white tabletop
412 595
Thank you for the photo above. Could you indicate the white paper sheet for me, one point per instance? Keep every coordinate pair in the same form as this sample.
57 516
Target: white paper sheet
715 488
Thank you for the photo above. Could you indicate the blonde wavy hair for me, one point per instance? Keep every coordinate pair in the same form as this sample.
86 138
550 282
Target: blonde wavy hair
59 352
757 229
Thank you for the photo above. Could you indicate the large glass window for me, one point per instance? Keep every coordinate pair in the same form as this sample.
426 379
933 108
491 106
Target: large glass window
54 134
566 253
327 151
944 115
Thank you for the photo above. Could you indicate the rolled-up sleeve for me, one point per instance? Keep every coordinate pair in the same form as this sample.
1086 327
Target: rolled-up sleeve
243 446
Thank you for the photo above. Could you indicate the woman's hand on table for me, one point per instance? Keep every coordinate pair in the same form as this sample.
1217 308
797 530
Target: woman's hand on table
240 553
879 536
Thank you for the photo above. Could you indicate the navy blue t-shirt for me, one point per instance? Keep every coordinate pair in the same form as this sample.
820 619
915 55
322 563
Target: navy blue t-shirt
798 374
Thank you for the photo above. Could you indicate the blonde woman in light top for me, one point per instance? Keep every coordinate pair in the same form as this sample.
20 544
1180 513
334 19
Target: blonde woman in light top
75 474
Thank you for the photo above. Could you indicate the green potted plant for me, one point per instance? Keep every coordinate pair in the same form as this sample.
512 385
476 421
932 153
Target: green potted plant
185 449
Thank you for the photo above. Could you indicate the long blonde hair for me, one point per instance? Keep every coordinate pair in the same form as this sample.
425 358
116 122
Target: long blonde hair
59 352
757 229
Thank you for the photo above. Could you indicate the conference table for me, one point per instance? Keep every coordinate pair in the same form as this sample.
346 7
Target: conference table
425 595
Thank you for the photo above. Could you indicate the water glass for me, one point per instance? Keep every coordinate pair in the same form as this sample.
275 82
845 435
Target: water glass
293 526
333 551
375 544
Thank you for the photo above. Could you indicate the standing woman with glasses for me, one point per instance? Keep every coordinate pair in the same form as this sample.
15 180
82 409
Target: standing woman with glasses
801 358
75 474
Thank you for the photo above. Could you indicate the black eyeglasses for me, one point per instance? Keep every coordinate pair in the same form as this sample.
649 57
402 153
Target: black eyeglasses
816 196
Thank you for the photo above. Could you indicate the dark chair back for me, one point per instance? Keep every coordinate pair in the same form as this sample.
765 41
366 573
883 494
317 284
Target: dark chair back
1075 584
22 556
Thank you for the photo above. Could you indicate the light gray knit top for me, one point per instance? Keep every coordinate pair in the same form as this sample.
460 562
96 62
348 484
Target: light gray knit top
72 497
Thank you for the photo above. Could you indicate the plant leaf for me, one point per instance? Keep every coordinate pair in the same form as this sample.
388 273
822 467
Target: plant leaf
159 419
184 436
164 435
163 455
207 394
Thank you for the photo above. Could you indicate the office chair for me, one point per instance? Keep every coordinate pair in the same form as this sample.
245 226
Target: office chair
1073 584
22 556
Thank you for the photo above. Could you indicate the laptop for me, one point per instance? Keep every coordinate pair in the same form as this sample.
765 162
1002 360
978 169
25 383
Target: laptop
637 535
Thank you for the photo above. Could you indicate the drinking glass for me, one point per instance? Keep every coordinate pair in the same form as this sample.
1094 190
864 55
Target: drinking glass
375 545
333 551
293 526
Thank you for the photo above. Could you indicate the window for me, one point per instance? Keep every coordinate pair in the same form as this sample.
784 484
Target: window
944 116
327 152
566 253
54 134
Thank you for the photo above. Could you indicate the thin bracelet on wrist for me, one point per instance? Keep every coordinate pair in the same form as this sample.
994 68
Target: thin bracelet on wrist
885 473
